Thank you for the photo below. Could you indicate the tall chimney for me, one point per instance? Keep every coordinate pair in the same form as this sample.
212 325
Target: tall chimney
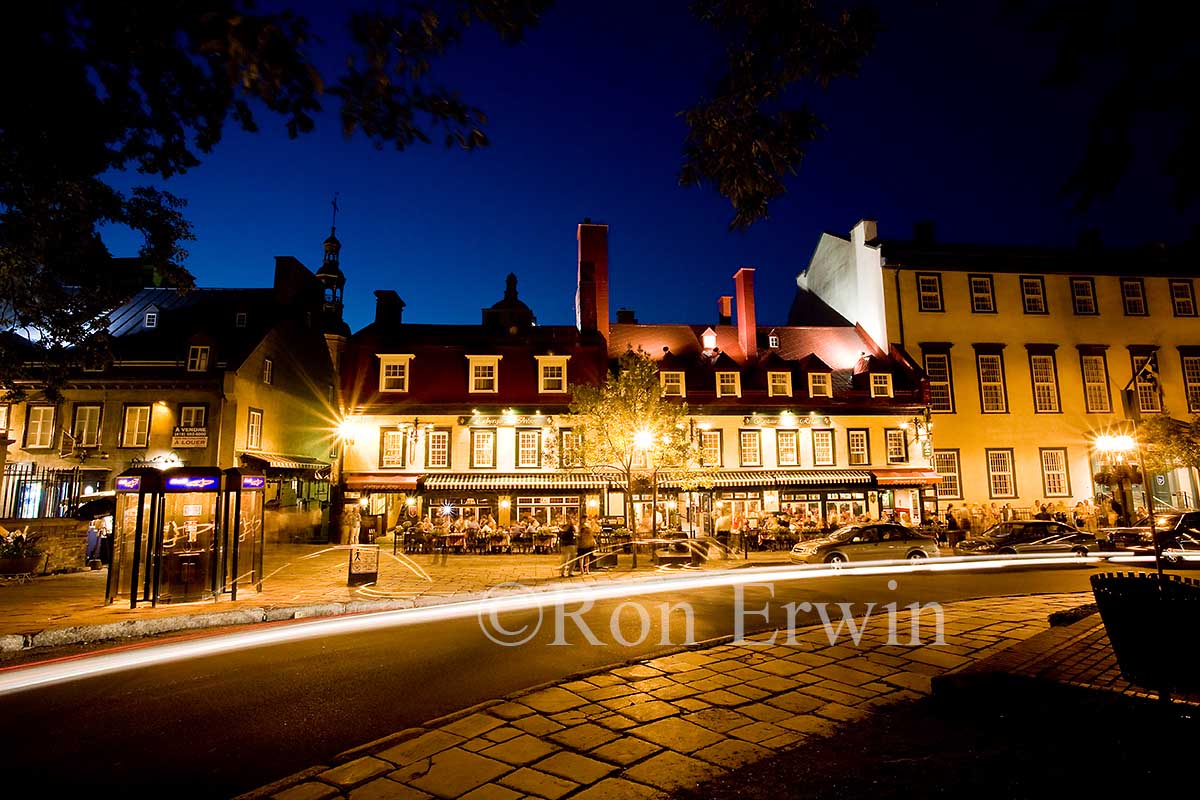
725 309
743 281
591 294
388 307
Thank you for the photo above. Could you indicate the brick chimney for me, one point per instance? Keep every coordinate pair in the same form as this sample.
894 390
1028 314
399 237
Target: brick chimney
591 295
725 309
388 307
743 281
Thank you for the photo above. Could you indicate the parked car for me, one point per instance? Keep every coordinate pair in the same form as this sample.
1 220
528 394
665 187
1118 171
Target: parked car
866 542
1030 536
1139 535
1178 548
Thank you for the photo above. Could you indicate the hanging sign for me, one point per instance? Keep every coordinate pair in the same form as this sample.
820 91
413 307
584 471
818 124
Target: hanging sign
189 437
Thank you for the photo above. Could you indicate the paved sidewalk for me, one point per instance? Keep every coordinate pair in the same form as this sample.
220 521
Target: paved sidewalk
301 581
670 723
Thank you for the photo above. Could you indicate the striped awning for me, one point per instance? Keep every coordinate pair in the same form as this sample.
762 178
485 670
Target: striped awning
770 478
822 477
281 461
381 482
906 477
467 481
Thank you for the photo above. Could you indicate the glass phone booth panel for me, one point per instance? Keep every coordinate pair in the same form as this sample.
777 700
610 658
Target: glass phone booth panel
242 532
187 539
135 519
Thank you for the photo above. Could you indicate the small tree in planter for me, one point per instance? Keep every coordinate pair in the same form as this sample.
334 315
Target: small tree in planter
19 552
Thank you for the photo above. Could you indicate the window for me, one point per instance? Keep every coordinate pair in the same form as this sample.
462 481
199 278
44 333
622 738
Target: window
39 429
1094 367
254 429
1148 396
1083 296
672 384
983 295
1001 482
193 416
779 384
485 374
945 462
1033 294
1191 384
151 319
529 448
1055 482
881 384
437 449
860 448
787 450
729 384
85 430
823 448
393 445
710 448
1133 295
552 374
773 341
750 448
268 370
570 448
1183 298
3 418
239 320
993 398
136 430
393 372
1044 375
929 291
709 339
197 360
941 390
897 445
819 385
483 448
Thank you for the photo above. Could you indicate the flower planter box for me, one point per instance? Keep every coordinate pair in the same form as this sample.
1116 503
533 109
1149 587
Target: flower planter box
1153 625
19 566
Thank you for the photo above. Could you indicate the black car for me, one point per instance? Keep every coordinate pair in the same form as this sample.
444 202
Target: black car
1179 548
1031 536
1167 523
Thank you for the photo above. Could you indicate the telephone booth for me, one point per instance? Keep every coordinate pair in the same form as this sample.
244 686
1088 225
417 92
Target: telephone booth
137 506
187 538
242 530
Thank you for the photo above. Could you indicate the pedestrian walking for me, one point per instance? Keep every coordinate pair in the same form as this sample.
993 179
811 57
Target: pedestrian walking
587 544
567 548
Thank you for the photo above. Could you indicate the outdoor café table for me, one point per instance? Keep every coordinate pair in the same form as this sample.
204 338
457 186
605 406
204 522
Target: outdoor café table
456 540
500 542
544 542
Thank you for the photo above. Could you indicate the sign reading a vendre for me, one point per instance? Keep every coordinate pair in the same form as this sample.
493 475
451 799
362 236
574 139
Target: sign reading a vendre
189 437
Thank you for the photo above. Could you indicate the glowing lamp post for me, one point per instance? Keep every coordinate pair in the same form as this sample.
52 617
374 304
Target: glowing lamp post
1115 449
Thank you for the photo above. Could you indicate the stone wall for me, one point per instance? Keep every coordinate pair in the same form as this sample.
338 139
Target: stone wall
294 525
63 542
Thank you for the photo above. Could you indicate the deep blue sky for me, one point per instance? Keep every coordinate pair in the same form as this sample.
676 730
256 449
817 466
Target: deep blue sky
948 122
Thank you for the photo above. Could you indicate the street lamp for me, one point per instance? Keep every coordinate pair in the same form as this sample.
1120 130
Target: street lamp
1115 449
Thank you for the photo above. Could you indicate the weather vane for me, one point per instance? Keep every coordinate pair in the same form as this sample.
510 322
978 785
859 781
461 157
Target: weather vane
335 209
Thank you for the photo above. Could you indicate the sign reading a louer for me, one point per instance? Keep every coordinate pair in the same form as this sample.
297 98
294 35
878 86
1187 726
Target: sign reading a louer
189 437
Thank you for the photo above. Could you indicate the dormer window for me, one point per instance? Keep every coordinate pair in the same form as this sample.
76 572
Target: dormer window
552 374
484 375
197 360
729 384
151 319
239 320
773 341
393 372
881 384
779 384
709 338
819 385
672 384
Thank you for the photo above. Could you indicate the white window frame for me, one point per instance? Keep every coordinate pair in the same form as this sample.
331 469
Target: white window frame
709 339
1056 478
91 424
1043 374
1183 304
1033 294
151 319
254 429
478 377
188 413
986 363
773 341
197 360
570 448
895 445
399 365
240 319
1134 302
673 384
983 294
822 442
1096 396
1149 398
787 447
941 383
1191 383
1000 470
723 386
546 363
711 443
779 384
1084 303
929 291
483 440
41 428
528 448
820 384
858 446
951 490
750 448
393 448
881 384
136 434
268 374
437 443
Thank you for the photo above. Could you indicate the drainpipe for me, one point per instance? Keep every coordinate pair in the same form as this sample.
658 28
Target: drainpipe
899 308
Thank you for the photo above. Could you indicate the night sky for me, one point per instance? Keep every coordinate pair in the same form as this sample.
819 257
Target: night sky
949 122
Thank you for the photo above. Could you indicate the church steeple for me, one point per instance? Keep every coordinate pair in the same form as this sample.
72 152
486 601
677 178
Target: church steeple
330 275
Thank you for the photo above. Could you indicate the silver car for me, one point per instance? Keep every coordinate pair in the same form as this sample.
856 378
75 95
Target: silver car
876 541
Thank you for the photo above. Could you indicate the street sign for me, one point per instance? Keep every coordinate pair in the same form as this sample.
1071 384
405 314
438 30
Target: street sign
364 565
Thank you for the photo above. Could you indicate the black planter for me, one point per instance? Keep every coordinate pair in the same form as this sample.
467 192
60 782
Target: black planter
1153 624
